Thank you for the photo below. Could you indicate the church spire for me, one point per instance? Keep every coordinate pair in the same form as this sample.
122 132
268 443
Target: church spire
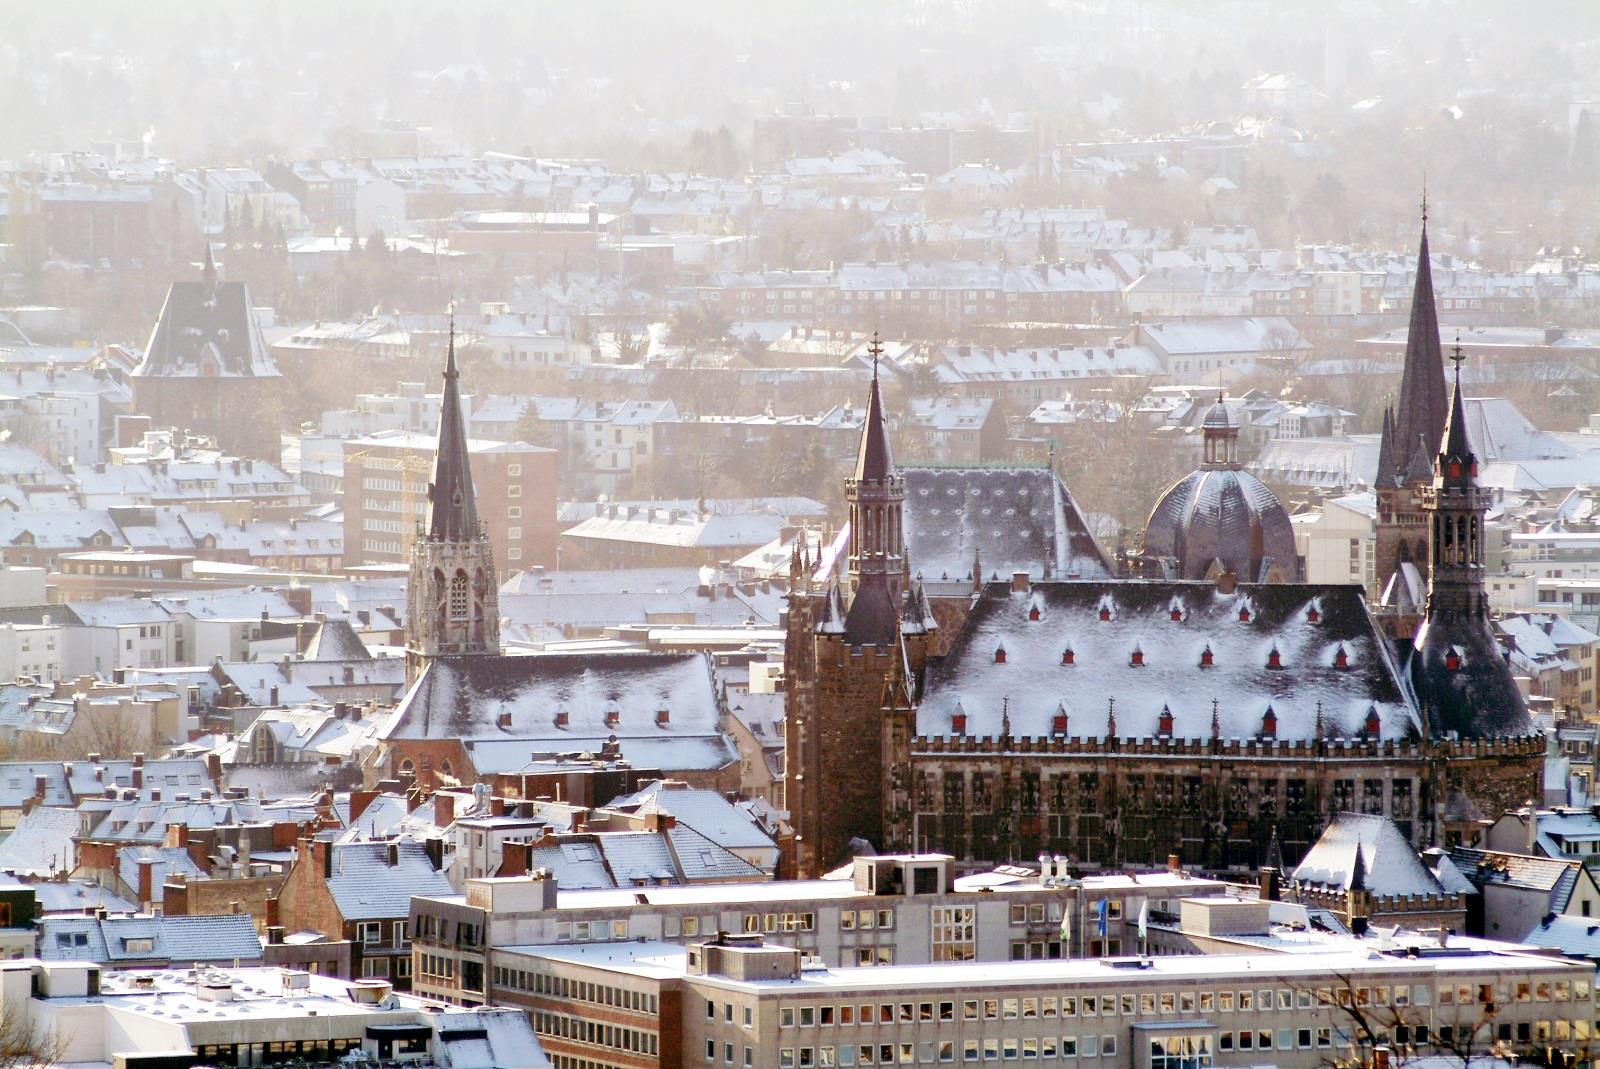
1420 414
873 459
452 508
876 495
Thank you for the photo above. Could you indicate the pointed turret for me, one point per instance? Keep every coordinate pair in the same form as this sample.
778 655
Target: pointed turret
1419 416
453 605
876 494
1387 475
452 508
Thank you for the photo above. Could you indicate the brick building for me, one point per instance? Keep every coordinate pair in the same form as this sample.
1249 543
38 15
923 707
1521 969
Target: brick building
386 493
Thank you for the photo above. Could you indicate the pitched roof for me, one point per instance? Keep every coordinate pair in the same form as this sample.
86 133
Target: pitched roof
1420 414
873 459
1023 519
1104 623
206 329
110 940
1354 842
1553 876
706 811
452 506
366 886
336 640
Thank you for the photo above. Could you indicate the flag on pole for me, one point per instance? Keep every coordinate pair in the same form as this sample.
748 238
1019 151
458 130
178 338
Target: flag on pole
1144 920
1102 912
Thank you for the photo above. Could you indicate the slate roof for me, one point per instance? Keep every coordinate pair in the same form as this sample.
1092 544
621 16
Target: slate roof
1391 867
707 812
41 844
206 329
1036 684
221 937
1227 515
463 697
1552 876
1419 416
336 640
1022 520
169 861
1574 937
590 861
366 887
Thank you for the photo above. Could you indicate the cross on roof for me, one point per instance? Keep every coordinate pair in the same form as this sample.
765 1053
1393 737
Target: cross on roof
1456 355
875 350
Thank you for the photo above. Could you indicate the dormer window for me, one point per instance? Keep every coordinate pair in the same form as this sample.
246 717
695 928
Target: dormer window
1274 658
1244 614
1455 469
1206 657
1177 615
1067 656
503 721
613 717
1313 615
663 717
1164 723
1341 659
958 723
1136 658
1373 723
1452 660
562 719
1269 724
1033 613
1058 724
999 655
1105 613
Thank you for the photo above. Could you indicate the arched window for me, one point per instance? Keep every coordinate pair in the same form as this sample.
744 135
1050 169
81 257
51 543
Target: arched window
408 769
460 596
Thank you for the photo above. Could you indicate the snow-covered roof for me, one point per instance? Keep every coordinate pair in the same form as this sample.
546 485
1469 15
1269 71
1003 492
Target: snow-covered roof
1389 864
1127 648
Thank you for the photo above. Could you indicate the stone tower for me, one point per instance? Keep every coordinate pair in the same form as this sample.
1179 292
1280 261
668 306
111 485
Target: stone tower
1411 433
854 641
1462 682
453 604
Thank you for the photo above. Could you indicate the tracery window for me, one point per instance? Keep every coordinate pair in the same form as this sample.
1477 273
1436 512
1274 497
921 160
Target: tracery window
460 596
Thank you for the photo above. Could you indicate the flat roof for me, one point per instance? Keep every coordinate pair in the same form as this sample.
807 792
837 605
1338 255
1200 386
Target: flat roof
657 960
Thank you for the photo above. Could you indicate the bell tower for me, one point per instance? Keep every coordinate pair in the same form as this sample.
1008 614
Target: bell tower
453 604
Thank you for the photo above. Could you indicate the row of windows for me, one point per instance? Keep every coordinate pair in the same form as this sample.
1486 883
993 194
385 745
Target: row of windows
436 967
583 931
586 991
944 1050
596 1033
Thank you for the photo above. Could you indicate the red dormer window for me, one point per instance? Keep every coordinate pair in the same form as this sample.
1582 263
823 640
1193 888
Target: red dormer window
1244 614
1274 658
1313 615
1033 613
1058 724
1177 615
1269 724
1341 659
1164 724
1372 723
562 719
1067 655
1452 661
1206 657
1105 612
503 721
958 724
663 718
613 718
1136 658
999 655
1455 469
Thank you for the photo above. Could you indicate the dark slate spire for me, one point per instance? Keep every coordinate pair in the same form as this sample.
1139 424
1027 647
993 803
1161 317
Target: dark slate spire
1419 417
873 460
1457 464
1387 473
452 507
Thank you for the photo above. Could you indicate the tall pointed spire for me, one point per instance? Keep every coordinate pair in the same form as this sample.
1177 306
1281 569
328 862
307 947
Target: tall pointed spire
1387 473
1419 416
452 507
1457 449
873 459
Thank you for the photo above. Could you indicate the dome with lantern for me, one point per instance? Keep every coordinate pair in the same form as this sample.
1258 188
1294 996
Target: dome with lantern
1221 518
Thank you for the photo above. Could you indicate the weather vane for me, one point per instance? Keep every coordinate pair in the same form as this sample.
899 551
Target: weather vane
876 350
1456 355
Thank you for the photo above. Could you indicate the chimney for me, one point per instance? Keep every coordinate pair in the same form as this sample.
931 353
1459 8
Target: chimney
1269 884
214 769
444 809
394 854
1019 583
434 848
137 775
1226 582
1174 863
175 897
515 858
359 801
497 807
272 918
146 870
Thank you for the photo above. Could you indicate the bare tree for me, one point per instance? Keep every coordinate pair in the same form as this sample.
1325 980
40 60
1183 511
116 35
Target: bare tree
25 1044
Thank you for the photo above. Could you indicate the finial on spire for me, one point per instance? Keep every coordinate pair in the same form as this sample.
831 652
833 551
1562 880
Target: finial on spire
1424 196
1456 356
875 350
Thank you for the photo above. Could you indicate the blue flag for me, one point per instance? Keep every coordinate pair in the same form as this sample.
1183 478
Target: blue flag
1102 912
